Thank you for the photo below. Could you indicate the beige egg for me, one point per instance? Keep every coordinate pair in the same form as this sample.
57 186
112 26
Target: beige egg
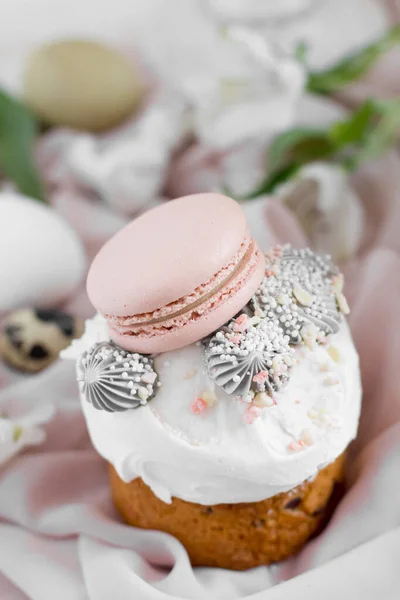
81 84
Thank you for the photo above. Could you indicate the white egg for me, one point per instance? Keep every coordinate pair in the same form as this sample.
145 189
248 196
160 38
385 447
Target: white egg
41 258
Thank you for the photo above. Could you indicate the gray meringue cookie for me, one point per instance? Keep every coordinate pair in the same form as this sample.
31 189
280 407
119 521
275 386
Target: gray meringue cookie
257 358
298 290
115 380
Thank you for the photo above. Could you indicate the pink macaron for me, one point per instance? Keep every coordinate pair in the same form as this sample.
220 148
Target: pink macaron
176 274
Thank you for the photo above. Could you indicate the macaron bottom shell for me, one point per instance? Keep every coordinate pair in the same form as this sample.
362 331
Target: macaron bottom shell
193 325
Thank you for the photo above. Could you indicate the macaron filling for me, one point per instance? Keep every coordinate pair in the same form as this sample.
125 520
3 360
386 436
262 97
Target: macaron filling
205 298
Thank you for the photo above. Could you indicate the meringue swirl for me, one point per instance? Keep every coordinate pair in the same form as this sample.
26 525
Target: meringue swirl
114 380
300 289
247 356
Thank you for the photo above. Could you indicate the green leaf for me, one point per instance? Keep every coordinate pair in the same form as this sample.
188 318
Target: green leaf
268 185
383 132
18 130
291 150
367 134
353 129
301 144
352 67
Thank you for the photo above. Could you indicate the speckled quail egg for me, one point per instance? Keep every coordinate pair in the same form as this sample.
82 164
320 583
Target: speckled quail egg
32 339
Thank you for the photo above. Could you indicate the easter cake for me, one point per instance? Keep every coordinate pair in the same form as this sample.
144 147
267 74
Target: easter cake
220 384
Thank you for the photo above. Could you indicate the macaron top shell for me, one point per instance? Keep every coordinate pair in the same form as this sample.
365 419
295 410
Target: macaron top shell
165 254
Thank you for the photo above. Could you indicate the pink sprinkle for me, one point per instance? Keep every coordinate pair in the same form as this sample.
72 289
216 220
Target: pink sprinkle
198 406
302 443
294 446
251 414
240 327
235 339
260 377
297 401
241 319
149 378
241 324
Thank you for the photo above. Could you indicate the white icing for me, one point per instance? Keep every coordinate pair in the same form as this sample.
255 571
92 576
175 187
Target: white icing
215 457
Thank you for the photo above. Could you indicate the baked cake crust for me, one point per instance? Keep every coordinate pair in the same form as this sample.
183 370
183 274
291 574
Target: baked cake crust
233 536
